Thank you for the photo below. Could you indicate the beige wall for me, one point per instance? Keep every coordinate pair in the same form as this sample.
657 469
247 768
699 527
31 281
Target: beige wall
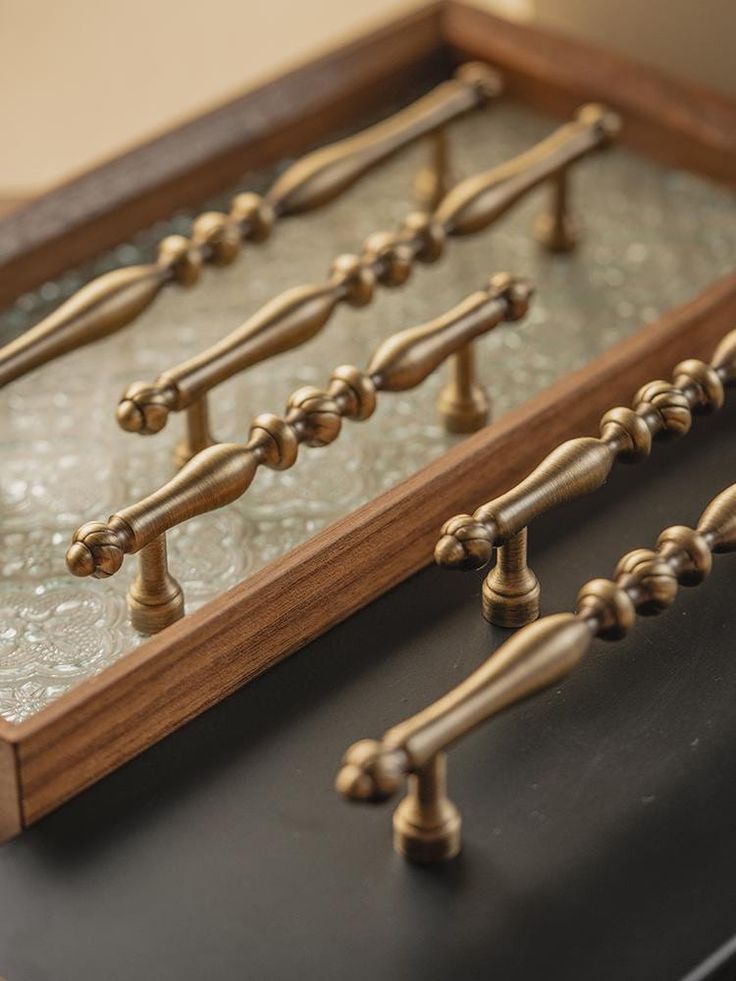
81 80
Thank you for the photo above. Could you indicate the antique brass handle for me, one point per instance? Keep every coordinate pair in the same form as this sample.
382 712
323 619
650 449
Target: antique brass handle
426 823
115 299
664 410
387 259
324 174
221 473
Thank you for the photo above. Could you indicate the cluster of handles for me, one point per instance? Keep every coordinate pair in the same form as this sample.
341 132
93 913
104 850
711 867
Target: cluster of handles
212 474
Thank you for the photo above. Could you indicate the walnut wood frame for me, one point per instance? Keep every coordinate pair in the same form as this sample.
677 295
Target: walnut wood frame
200 660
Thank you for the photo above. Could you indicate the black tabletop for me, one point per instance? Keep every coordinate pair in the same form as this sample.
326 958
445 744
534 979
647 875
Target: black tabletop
599 816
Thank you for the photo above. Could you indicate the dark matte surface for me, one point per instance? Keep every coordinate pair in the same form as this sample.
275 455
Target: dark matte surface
599 817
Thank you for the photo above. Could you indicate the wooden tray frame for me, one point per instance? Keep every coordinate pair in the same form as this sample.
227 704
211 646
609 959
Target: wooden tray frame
173 677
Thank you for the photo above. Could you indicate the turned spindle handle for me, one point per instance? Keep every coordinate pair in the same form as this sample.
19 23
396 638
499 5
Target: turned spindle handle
220 474
322 175
385 258
98 309
114 300
646 581
476 202
531 660
579 466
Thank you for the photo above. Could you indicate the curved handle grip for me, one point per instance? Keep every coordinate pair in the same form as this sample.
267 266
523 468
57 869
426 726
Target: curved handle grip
718 522
98 309
212 479
535 657
573 469
220 474
479 200
287 321
405 359
324 174
300 313
579 466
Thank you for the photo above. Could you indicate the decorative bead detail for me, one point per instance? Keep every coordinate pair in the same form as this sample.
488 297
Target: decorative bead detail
465 543
609 605
391 256
321 419
254 215
695 558
219 234
649 580
370 772
281 449
629 432
176 253
607 123
486 82
515 291
354 391
356 278
707 382
144 408
428 233
96 550
671 405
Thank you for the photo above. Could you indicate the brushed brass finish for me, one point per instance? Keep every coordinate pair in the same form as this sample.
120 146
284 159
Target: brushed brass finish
386 259
556 229
476 202
197 436
155 599
463 404
661 410
221 473
510 592
324 174
426 824
435 179
98 309
115 299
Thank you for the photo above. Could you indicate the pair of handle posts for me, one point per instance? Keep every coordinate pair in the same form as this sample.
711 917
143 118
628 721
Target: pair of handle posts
219 473
427 824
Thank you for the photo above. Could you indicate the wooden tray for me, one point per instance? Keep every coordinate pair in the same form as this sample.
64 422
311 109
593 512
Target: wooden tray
192 665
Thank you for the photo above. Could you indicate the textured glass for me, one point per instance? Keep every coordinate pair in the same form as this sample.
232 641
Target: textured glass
652 238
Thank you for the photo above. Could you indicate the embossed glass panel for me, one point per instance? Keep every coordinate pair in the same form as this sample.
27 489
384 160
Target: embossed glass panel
652 238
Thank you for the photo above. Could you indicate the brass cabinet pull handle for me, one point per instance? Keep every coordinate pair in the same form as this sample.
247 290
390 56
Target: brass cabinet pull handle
426 823
221 473
476 202
322 175
386 259
115 299
664 410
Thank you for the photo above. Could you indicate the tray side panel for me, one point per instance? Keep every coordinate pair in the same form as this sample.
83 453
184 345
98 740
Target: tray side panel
205 657
11 819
